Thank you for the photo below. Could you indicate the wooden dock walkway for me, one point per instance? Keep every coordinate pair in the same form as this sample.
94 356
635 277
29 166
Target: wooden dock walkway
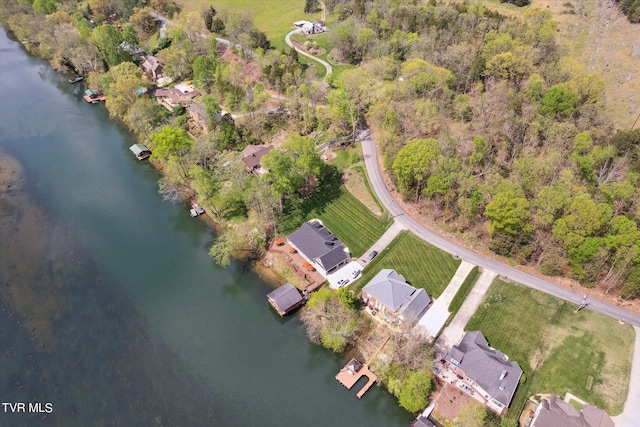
352 372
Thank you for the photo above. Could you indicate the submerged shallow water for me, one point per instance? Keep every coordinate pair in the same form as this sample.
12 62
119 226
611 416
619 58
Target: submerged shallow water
111 309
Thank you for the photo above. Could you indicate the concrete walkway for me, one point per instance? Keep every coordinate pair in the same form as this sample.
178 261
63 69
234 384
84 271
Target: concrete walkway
631 413
454 332
384 240
434 319
454 285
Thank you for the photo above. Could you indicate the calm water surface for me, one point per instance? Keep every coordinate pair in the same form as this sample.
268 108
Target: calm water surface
111 309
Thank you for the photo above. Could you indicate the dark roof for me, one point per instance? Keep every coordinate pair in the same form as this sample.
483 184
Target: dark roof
422 422
488 367
319 244
556 412
285 297
253 154
392 290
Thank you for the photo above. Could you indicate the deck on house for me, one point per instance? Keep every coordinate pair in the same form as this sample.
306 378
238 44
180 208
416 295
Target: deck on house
348 378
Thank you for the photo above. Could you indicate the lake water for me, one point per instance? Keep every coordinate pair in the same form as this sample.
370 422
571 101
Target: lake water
111 309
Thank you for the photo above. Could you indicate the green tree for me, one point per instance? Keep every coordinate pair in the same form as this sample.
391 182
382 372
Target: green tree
631 288
204 72
170 141
330 322
414 392
145 115
120 85
508 213
558 102
107 39
45 7
413 162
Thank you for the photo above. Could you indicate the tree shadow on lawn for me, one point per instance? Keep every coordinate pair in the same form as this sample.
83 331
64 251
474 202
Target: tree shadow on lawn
298 209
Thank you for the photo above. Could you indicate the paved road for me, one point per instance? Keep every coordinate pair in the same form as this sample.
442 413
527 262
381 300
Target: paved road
385 197
325 63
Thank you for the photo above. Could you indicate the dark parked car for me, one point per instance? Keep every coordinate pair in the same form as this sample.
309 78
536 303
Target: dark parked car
373 254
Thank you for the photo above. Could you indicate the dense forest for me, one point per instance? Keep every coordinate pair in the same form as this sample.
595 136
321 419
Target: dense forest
480 124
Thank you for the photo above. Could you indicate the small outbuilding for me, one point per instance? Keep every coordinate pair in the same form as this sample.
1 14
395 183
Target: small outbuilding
140 151
285 299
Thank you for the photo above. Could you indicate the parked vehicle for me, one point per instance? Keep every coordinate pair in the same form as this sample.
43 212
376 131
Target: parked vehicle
343 282
355 273
373 254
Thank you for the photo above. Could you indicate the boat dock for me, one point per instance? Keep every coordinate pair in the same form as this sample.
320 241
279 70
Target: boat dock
352 372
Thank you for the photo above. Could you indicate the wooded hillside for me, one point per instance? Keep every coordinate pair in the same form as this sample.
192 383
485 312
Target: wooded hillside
484 129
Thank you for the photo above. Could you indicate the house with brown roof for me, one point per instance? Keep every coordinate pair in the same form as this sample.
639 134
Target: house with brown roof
484 371
320 247
556 412
252 157
390 297
153 66
180 95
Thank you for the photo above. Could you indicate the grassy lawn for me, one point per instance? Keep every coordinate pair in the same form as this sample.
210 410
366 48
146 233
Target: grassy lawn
463 292
587 354
274 18
352 222
423 265
361 171
340 212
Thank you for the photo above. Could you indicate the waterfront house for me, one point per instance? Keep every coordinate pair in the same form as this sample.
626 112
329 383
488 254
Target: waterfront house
285 299
140 151
153 66
252 156
484 371
180 95
321 248
556 412
389 296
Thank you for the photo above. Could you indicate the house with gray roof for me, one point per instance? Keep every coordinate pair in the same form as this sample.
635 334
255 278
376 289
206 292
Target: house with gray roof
556 412
486 370
320 247
389 294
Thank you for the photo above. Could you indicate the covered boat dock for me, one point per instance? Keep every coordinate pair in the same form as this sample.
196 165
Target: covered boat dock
285 299
140 151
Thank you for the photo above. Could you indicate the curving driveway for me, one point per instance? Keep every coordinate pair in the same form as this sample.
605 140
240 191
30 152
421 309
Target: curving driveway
290 43
385 197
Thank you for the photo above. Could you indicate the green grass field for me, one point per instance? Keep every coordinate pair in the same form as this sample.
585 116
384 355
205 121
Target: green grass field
585 353
352 222
423 265
274 18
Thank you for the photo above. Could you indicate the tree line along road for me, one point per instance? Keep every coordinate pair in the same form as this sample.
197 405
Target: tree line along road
400 215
